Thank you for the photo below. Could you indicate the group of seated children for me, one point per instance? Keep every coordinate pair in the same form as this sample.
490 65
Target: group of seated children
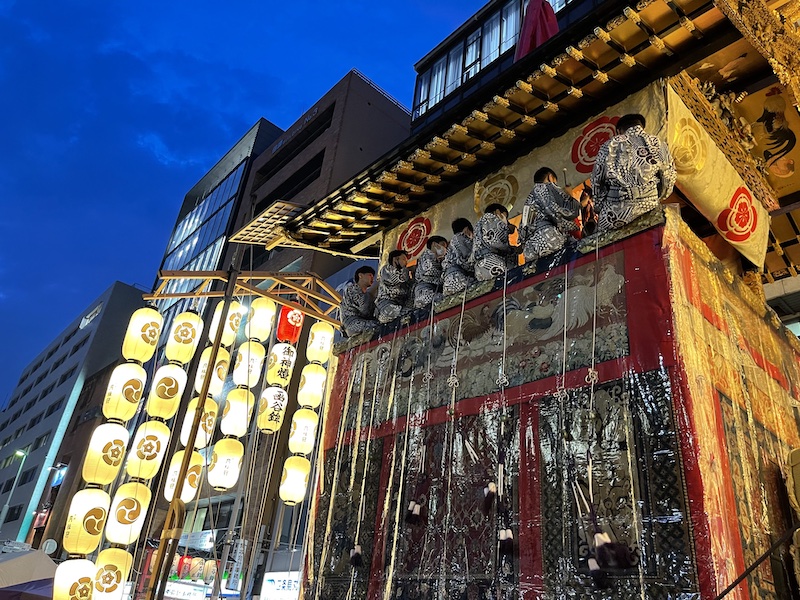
633 173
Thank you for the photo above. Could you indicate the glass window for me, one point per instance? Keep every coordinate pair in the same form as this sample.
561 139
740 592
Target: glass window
27 476
437 80
8 484
423 85
41 441
473 55
455 67
14 513
54 406
490 42
509 25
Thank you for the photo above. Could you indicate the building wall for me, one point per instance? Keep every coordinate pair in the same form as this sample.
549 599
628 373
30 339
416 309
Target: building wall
41 407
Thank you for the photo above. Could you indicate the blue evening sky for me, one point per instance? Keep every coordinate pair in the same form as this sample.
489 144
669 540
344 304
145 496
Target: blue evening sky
112 111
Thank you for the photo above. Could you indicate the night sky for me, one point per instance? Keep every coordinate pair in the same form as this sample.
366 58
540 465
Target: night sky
113 110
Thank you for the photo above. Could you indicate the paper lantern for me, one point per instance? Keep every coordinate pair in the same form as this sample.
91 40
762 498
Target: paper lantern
166 391
147 450
141 337
85 521
312 386
193 476
271 409
124 391
304 429
184 567
232 322
128 513
184 337
294 480
260 320
290 324
206 430
248 364
226 463
105 453
218 373
74 580
113 568
196 568
320 342
236 414
281 364
209 571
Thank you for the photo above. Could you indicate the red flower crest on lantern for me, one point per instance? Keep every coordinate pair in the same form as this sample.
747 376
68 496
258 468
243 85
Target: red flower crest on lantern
414 237
588 144
738 222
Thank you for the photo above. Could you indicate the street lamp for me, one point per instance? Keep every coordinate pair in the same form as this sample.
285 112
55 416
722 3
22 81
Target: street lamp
23 455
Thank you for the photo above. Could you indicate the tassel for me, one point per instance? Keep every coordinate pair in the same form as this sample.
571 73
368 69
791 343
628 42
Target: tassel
597 574
611 555
506 542
355 557
489 494
414 513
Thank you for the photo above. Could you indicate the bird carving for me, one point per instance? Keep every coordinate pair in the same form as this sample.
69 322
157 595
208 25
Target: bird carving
472 328
580 301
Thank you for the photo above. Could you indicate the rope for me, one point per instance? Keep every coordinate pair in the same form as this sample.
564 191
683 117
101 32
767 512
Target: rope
337 463
452 382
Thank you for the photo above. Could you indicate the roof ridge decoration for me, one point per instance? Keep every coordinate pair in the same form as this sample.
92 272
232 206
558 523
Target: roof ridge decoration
771 33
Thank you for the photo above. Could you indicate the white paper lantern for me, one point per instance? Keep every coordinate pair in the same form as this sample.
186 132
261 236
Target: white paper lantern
320 342
196 568
248 364
147 450
281 364
218 373
86 518
209 571
226 464
166 391
236 414
312 385
271 409
206 430
232 322
141 337
184 337
113 569
124 391
294 480
304 429
105 453
193 476
128 513
74 580
261 318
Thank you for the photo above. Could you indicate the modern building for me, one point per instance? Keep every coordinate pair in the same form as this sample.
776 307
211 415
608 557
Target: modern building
35 422
208 212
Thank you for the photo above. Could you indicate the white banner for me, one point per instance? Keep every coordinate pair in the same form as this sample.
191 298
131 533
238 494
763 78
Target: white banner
713 185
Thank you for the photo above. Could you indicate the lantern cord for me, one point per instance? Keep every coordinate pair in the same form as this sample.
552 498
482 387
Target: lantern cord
337 463
447 456
370 433
388 499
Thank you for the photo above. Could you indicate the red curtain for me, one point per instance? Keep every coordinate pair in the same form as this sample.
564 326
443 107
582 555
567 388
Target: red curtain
538 26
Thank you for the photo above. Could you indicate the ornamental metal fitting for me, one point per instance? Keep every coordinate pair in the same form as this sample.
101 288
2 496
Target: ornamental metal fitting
452 381
592 376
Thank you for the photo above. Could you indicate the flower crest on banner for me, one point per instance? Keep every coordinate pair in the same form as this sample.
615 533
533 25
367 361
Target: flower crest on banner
589 142
500 188
414 236
738 222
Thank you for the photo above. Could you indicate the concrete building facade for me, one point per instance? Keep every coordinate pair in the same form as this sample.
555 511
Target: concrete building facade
38 415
